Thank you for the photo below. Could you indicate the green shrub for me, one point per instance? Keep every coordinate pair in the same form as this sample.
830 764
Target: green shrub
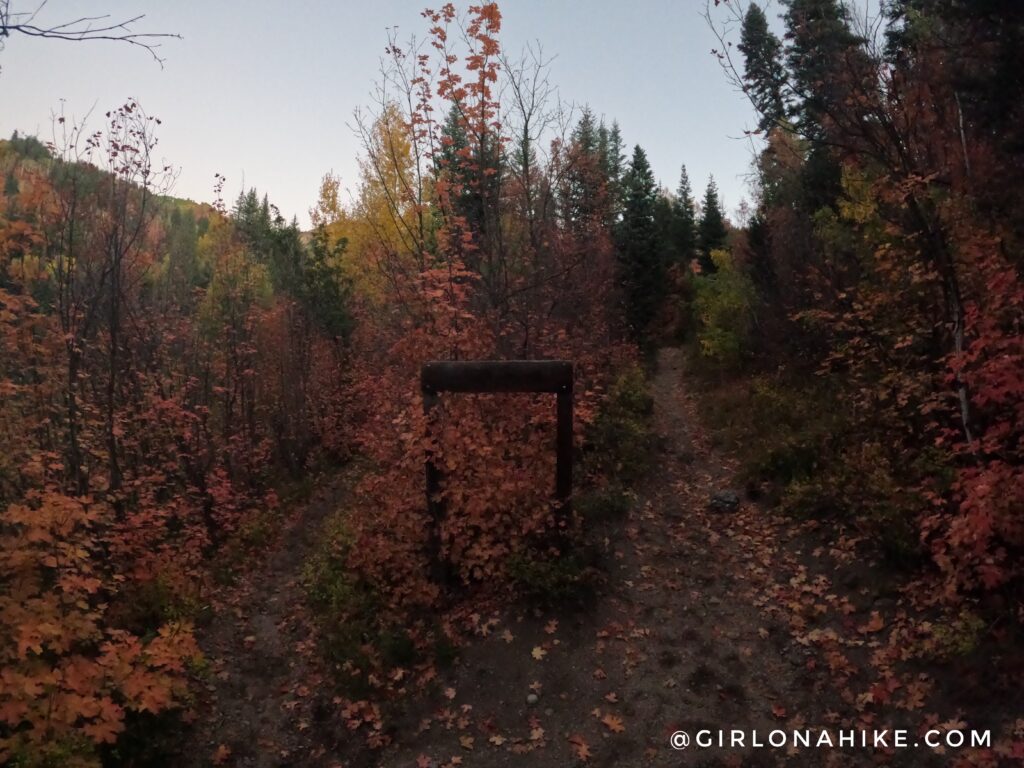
559 579
957 638
142 607
343 609
781 429
618 441
599 505
724 308
616 453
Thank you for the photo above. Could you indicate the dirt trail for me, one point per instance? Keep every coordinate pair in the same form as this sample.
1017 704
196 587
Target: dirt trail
678 640
675 643
255 711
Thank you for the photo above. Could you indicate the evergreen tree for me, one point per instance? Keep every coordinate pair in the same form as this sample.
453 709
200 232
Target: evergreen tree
475 169
270 241
641 266
326 293
585 134
825 62
763 72
762 268
584 193
615 155
665 225
684 220
711 232
603 136
29 147
612 152
11 186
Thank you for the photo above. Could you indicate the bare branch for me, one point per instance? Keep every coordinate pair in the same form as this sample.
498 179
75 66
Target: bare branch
81 29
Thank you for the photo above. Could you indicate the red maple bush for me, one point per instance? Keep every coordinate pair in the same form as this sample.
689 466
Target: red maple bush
885 249
68 673
156 381
490 272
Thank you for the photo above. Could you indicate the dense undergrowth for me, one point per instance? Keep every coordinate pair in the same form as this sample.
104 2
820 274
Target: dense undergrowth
169 371
358 634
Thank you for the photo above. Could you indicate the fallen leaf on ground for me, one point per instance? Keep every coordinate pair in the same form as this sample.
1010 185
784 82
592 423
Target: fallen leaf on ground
875 623
613 723
580 747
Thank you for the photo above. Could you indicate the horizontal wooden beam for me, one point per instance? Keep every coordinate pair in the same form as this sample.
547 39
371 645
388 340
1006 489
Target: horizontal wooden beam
497 376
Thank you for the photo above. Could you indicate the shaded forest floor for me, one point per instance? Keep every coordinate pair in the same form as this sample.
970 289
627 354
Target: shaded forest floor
707 619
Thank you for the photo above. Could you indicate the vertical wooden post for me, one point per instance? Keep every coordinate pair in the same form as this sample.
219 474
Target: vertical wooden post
564 451
435 509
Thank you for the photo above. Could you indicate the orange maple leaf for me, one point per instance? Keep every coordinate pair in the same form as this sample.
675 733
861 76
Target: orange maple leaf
875 623
613 723
221 754
580 747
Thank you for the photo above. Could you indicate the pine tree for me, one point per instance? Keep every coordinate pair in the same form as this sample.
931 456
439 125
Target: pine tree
762 268
712 234
453 159
684 217
665 225
763 73
585 135
11 186
326 293
612 159
641 265
824 59
584 194
615 154
474 165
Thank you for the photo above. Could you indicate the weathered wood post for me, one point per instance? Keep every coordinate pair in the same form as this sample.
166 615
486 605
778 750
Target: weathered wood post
435 509
563 447
490 376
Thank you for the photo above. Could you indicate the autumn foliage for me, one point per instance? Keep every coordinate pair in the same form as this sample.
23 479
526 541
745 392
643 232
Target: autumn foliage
165 366
884 250
168 369
154 380
469 281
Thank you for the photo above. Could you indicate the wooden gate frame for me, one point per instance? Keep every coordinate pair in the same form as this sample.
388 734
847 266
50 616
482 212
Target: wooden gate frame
494 376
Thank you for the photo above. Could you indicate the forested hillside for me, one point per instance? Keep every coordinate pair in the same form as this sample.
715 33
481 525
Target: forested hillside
798 425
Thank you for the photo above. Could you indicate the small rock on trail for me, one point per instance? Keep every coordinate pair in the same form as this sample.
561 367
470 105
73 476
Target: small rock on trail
725 501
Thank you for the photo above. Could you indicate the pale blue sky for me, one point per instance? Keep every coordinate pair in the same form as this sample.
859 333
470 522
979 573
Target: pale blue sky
264 91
